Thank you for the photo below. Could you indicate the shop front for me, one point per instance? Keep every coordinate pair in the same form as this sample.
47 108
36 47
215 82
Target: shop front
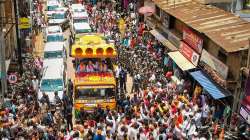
182 61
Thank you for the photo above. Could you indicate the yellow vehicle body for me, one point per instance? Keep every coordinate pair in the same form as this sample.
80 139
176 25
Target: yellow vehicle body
94 81
93 46
92 89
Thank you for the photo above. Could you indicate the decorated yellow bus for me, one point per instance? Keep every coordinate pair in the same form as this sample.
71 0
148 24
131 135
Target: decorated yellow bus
94 83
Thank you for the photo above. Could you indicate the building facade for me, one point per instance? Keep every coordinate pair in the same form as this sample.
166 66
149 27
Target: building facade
217 38
7 22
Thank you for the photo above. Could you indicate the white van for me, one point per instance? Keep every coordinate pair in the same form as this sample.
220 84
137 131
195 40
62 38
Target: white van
54 50
54 79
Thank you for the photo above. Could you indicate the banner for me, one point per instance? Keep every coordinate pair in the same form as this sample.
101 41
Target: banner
215 64
192 40
189 53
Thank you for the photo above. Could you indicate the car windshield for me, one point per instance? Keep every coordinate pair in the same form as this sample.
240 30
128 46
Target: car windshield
78 31
54 38
80 20
52 8
52 85
79 10
58 16
53 54
95 93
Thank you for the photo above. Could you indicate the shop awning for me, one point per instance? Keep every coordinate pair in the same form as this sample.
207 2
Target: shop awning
163 40
215 91
181 61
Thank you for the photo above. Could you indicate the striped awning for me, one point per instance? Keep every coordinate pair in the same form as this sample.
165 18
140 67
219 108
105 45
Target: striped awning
214 90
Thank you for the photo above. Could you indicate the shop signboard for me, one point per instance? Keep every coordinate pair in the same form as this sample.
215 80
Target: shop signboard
193 40
24 23
189 53
215 64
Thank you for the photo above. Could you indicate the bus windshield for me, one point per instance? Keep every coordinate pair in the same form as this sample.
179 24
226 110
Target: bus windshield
97 93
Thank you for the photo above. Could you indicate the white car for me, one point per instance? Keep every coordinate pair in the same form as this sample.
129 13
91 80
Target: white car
53 34
60 17
54 50
53 79
81 29
52 5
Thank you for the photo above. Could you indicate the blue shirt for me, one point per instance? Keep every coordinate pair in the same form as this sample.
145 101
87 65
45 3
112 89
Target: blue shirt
99 137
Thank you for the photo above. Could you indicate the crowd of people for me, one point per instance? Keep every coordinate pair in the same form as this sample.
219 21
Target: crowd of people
155 109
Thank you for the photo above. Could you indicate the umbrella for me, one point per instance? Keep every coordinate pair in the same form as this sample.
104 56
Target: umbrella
147 10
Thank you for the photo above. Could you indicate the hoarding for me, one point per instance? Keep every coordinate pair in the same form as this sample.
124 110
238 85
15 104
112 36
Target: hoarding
215 64
192 40
189 53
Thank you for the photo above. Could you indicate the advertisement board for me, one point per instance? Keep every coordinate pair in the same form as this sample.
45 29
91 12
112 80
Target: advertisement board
24 23
192 40
215 64
189 53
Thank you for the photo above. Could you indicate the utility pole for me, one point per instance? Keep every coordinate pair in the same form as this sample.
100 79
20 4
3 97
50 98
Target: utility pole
248 55
2 55
233 5
3 74
31 14
19 50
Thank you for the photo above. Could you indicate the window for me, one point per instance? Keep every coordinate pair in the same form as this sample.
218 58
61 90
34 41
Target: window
157 11
222 57
95 93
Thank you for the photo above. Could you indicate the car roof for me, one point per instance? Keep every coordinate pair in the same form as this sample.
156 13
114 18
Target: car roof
54 29
82 25
52 2
76 6
62 9
53 46
79 14
53 68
